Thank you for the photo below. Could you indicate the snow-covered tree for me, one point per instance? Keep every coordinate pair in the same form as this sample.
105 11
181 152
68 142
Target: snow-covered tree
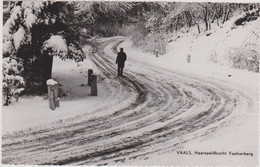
166 18
107 17
35 32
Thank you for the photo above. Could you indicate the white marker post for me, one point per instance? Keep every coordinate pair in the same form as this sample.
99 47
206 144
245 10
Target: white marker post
188 58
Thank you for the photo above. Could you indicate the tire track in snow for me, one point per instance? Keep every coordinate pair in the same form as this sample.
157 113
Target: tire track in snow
166 111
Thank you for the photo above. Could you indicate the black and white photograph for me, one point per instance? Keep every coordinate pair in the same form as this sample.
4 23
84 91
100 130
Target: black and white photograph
130 83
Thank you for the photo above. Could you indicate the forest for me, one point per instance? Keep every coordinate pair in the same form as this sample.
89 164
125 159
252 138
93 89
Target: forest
35 31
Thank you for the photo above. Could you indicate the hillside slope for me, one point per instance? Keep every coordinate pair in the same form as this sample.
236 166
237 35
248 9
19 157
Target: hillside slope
228 45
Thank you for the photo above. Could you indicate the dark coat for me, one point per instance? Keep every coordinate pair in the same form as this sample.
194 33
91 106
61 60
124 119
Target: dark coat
121 58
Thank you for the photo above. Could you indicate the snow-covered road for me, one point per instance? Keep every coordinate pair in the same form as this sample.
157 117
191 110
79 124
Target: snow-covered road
158 111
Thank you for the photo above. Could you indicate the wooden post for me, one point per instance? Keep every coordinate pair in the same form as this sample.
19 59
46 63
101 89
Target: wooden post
53 94
188 58
90 72
56 98
157 53
51 97
93 85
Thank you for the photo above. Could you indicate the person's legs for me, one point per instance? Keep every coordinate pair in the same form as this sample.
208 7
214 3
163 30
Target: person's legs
118 71
122 71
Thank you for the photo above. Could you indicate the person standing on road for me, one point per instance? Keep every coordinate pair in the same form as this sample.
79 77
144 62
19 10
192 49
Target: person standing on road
120 61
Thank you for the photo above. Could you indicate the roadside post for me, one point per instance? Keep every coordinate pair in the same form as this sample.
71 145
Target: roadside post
90 72
93 85
188 58
53 94
156 53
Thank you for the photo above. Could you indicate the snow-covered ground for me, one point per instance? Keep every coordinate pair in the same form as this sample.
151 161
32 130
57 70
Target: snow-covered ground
226 139
200 49
33 112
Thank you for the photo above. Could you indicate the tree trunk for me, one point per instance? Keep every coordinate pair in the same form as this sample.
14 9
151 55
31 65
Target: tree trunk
47 69
229 9
214 17
188 18
7 97
176 24
220 13
198 26
206 18
171 28
225 16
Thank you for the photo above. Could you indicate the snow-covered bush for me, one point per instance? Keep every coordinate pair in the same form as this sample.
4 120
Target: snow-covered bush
150 41
245 58
156 42
75 54
13 83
